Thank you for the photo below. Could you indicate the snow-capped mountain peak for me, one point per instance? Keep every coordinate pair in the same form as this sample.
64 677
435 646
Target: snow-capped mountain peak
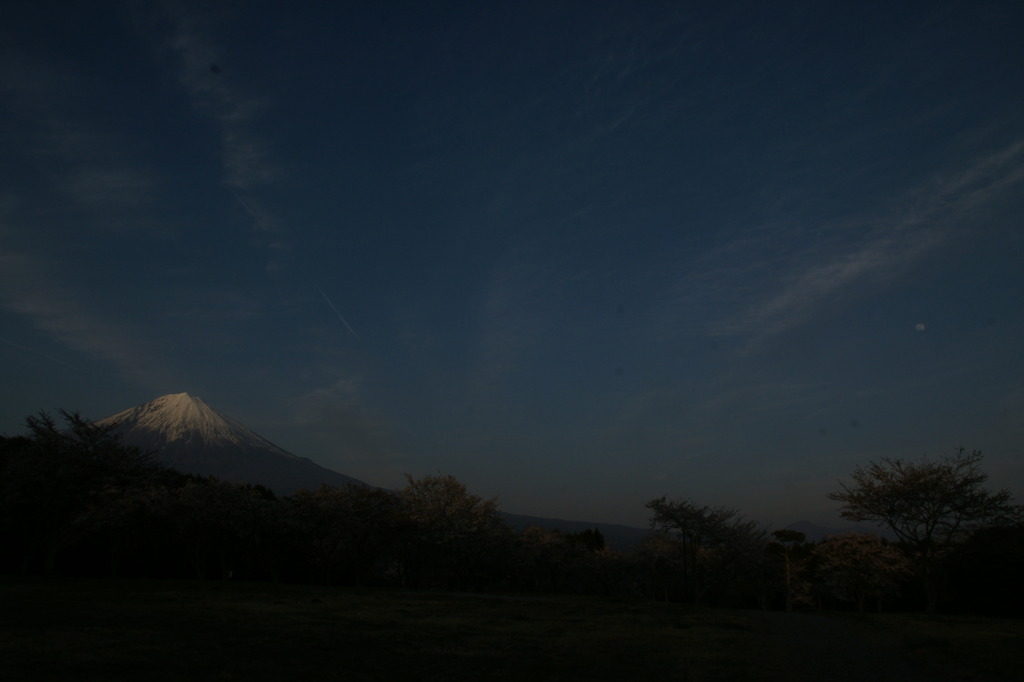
192 437
181 417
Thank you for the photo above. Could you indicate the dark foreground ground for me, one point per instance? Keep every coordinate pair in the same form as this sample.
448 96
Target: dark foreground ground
154 630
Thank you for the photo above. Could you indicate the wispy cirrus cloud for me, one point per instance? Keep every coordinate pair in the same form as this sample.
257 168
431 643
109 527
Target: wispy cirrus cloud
510 323
154 342
83 183
769 286
109 187
33 287
245 154
247 162
55 133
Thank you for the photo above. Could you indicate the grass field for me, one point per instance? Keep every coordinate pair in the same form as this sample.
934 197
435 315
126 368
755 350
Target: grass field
115 630
968 648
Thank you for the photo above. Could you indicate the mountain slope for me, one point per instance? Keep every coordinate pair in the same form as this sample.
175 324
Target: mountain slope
192 437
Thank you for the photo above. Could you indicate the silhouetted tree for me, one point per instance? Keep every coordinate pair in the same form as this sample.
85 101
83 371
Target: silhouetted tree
540 559
929 505
126 525
717 543
658 567
789 546
351 533
459 539
552 561
860 566
984 572
219 525
591 539
58 485
15 536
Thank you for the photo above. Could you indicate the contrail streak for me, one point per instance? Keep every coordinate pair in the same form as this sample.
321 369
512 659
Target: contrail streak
248 210
340 316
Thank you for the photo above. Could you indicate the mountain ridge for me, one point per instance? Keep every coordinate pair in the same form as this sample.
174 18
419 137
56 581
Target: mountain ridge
188 435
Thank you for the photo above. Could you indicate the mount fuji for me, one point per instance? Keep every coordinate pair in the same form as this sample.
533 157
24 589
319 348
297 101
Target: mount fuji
188 435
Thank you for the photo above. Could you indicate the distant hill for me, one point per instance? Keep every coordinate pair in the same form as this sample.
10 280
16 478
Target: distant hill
815 532
188 435
617 537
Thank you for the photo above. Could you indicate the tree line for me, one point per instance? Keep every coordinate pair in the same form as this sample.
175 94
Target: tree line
76 501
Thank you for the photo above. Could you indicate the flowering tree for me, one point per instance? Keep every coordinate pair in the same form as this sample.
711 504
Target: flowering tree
458 538
860 566
349 532
716 542
58 483
928 504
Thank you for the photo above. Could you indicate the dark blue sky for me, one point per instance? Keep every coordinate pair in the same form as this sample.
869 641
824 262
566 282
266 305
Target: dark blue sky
577 254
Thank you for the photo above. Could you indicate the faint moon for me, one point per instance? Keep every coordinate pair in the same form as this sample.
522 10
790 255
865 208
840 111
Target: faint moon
920 326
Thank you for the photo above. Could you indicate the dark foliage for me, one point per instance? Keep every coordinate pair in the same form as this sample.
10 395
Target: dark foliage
930 505
983 575
60 485
74 501
717 549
